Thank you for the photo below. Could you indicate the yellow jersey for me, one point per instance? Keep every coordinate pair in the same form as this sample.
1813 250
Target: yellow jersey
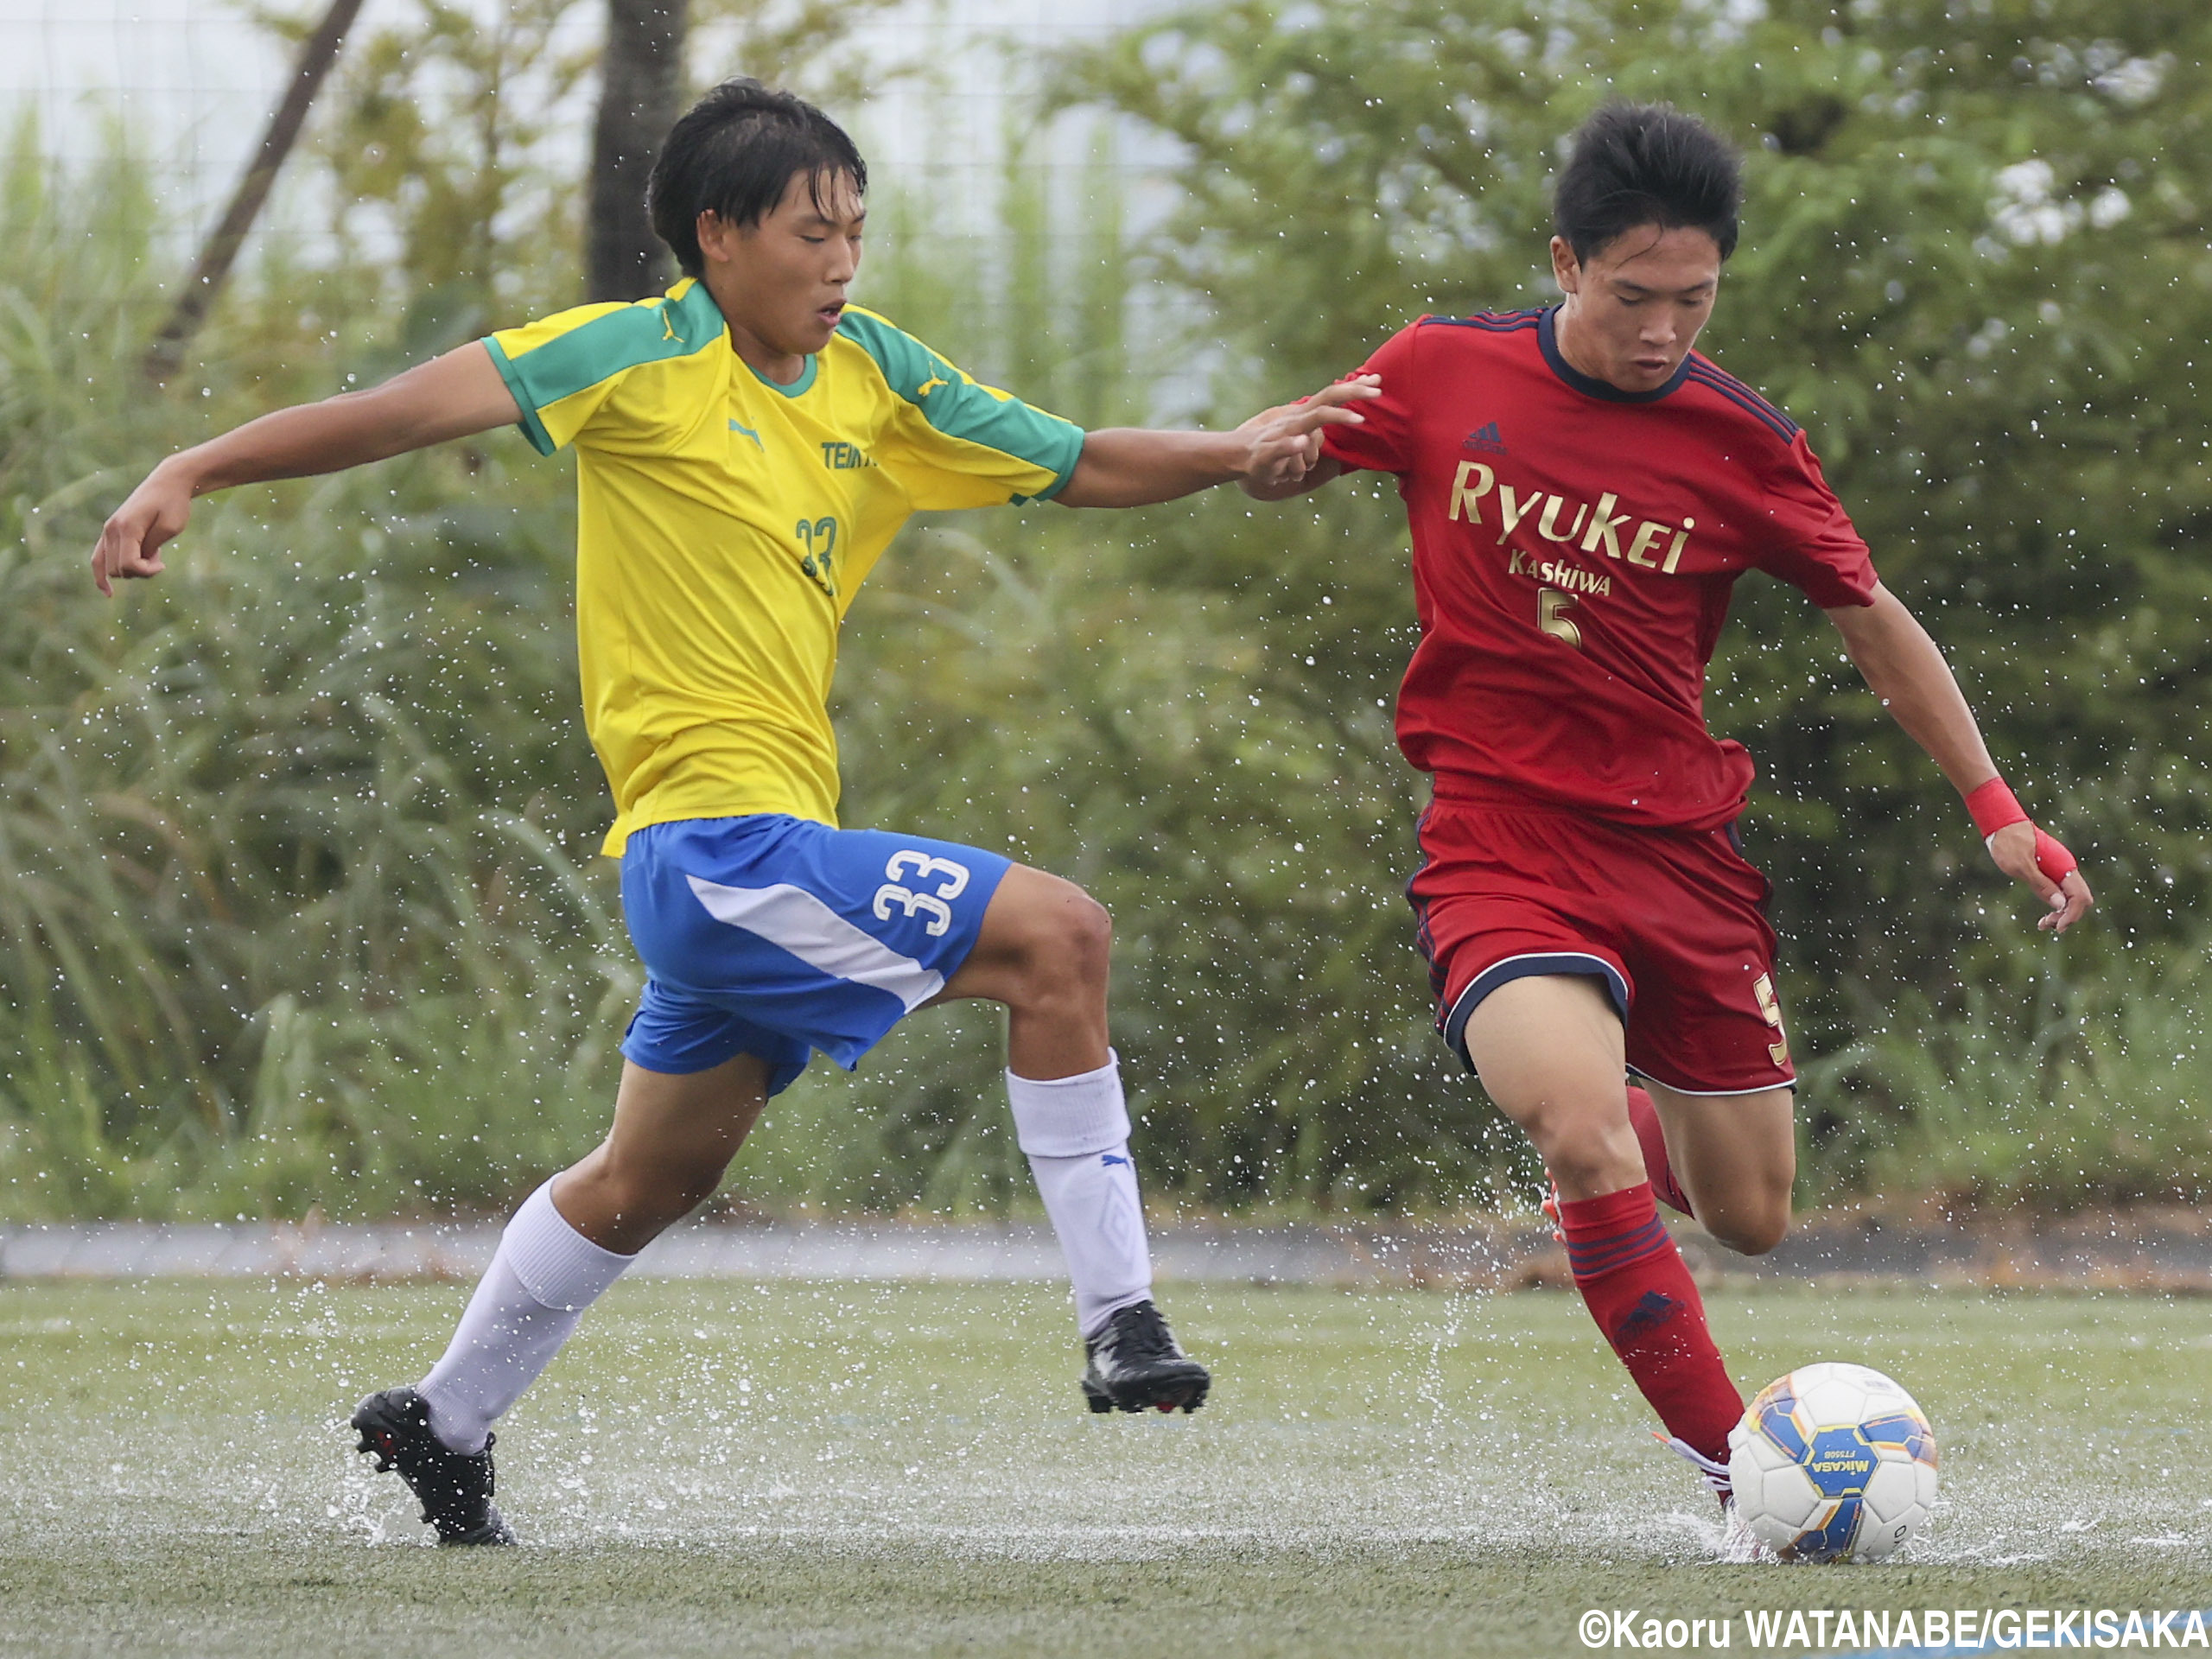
724 521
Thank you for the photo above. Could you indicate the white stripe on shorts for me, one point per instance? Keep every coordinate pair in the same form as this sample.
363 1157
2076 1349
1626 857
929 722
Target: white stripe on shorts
793 920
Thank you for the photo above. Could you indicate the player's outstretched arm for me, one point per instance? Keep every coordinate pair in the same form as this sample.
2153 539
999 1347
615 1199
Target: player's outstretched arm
1906 670
1321 472
1130 467
449 397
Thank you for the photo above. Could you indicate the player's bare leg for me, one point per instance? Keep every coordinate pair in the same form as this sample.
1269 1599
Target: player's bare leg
1044 952
672 1137
1735 1157
1548 1049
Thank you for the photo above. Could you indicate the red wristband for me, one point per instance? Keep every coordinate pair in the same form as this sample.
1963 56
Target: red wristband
1993 807
2051 857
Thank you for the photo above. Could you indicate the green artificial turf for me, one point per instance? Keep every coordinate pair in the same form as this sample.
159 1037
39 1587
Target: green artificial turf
729 1468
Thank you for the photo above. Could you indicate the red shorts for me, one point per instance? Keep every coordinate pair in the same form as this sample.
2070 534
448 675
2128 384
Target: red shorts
1674 923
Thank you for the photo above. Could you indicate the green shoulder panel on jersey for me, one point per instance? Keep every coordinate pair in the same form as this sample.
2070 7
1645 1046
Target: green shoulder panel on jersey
546 361
960 407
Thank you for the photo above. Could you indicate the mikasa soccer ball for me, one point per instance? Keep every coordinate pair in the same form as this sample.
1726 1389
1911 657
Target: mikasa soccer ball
1833 1463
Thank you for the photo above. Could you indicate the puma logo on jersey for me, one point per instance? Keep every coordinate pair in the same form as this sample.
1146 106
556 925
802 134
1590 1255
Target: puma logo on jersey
1597 529
749 433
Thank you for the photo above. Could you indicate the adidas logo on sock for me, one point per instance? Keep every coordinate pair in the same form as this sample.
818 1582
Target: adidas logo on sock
1654 1311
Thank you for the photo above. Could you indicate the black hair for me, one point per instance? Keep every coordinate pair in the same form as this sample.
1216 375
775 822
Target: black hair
735 153
1647 164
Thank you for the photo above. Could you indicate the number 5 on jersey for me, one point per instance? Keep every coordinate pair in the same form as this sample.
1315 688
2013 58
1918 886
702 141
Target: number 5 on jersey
1552 607
1771 1011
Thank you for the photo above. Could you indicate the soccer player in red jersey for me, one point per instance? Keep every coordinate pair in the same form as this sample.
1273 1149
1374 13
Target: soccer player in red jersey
1584 490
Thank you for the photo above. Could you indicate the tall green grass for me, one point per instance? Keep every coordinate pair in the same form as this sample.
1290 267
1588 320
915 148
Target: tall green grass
294 909
2069 1095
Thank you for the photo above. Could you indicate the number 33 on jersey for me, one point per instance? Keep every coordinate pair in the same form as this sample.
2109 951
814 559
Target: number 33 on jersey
950 878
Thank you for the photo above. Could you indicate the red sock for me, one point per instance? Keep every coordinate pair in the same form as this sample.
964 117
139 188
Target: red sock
1643 1117
1632 1277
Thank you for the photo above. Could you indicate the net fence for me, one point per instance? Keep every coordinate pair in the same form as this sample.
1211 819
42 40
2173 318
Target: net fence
933 90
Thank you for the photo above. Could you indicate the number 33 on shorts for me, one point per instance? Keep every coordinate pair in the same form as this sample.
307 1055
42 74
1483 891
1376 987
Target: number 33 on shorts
1769 1011
907 866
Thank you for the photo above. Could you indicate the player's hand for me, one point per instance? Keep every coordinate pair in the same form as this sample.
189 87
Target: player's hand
1283 443
131 543
2067 900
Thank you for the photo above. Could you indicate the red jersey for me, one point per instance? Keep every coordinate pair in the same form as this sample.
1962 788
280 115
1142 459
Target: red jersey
1574 547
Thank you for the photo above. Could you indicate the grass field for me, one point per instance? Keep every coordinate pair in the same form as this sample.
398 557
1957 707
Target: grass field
737 1469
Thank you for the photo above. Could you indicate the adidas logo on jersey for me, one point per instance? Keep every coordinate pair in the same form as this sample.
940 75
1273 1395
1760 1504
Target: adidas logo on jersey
1485 440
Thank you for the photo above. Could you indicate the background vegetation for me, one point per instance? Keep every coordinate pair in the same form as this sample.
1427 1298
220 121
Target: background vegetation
297 901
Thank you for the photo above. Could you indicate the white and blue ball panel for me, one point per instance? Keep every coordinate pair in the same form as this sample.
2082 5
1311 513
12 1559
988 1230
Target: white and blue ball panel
776 936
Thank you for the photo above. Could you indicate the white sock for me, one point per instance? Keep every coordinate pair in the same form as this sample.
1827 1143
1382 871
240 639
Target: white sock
532 1297
1076 1132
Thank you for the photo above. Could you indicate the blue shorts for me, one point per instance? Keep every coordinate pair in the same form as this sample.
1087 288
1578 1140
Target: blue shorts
775 935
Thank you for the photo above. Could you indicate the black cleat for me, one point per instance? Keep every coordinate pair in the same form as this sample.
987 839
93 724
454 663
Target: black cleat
455 1487
1136 1364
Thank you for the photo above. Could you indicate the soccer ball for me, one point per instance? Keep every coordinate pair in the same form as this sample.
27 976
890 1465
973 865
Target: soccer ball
1833 1463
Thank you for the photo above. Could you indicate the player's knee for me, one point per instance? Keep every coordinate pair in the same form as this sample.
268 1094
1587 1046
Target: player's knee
1753 1229
1587 1151
652 1196
1585 1174
1069 947
1086 943
1752 1240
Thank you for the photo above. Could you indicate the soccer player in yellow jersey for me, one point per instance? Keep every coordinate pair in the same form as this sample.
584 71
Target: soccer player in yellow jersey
747 445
